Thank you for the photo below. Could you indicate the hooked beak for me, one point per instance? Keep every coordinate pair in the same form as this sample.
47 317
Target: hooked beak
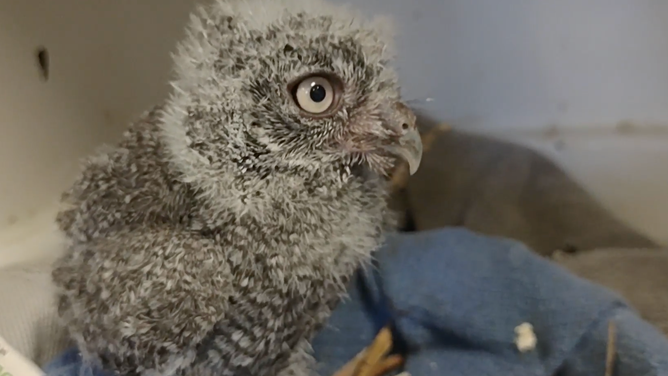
409 144
409 148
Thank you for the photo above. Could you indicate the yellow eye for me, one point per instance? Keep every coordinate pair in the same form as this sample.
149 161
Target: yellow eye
315 94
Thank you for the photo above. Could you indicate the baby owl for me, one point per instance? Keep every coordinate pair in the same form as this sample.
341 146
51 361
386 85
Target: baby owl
217 236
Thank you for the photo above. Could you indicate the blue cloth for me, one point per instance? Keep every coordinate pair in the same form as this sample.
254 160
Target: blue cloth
455 297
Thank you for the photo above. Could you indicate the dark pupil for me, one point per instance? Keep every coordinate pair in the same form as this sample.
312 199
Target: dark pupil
318 93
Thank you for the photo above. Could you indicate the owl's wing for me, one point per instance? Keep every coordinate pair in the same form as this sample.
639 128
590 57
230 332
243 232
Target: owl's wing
141 300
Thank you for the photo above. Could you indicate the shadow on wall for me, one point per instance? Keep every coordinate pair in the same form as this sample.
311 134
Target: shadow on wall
502 189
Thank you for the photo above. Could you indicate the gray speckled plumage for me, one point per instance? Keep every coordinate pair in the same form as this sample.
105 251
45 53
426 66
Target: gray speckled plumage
217 236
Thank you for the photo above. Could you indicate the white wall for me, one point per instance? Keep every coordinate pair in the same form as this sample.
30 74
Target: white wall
562 73
526 63
109 61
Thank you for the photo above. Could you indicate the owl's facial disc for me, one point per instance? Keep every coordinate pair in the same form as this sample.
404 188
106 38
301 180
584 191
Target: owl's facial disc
318 96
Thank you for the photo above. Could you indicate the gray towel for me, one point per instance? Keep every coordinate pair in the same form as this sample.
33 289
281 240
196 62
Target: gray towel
640 275
502 189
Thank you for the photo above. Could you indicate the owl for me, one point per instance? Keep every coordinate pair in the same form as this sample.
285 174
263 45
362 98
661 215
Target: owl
218 234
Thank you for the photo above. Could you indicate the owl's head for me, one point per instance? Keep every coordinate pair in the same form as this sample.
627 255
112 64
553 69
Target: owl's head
274 86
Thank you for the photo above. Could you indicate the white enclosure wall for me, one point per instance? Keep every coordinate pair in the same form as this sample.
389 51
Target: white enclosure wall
586 82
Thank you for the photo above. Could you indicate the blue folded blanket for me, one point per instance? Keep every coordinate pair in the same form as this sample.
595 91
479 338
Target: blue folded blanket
454 299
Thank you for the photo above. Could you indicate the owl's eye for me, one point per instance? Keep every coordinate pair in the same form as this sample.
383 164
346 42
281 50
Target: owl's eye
316 94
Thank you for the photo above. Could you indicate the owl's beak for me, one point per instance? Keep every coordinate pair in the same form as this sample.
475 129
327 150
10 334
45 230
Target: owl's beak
410 149
409 144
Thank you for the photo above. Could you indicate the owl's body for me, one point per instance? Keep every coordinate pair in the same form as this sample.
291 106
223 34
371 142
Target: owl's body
263 282
218 235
